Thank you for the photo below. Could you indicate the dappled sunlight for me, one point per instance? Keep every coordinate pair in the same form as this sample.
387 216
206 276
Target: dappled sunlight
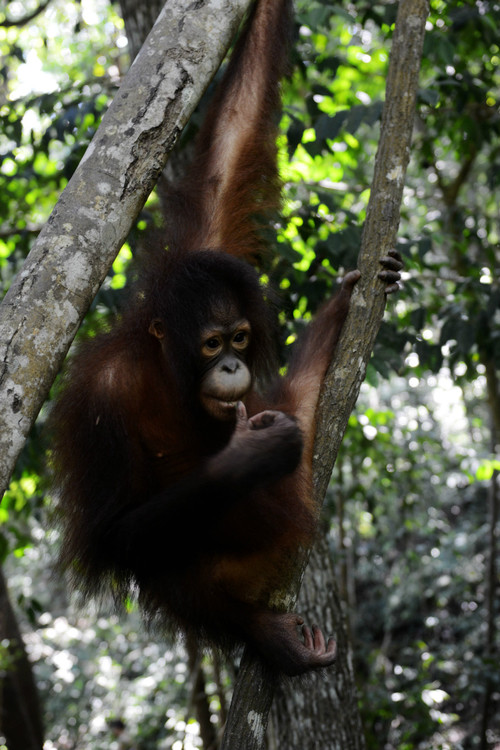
410 507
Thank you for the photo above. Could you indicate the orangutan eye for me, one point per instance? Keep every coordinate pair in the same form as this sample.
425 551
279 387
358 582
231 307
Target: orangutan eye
211 346
241 339
212 343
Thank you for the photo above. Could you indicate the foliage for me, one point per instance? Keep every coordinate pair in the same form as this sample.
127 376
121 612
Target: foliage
416 465
416 525
95 666
56 79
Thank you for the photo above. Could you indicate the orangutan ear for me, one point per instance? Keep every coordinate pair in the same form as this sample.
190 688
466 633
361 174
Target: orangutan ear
157 329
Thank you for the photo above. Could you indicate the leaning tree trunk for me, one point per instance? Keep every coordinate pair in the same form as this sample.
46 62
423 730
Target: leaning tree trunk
253 694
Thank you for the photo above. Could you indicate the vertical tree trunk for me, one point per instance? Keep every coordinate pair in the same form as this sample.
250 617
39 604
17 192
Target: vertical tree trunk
199 699
491 649
139 18
323 714
20 717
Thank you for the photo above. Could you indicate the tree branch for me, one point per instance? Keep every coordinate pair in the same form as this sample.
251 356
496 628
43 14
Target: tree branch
47 301
253 694
18 22
348 368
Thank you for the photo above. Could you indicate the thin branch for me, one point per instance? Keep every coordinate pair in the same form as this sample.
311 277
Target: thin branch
450 191
348 368
6 232
8 23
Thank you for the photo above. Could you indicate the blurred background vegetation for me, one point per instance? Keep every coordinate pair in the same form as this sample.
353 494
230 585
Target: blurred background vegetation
412 511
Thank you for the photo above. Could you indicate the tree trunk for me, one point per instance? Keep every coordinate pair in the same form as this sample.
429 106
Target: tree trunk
324 715
20 717
199 702
491 646
139 18
248 714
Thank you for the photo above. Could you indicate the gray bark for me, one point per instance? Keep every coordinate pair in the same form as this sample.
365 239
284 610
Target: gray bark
323 714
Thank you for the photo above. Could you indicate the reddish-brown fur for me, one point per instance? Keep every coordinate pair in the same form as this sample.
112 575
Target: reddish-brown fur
202 513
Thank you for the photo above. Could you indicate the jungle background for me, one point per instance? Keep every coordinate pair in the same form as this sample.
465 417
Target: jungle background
412 511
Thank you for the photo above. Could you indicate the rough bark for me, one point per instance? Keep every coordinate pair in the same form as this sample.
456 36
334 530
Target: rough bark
322 714
20 716
47 301
248 714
